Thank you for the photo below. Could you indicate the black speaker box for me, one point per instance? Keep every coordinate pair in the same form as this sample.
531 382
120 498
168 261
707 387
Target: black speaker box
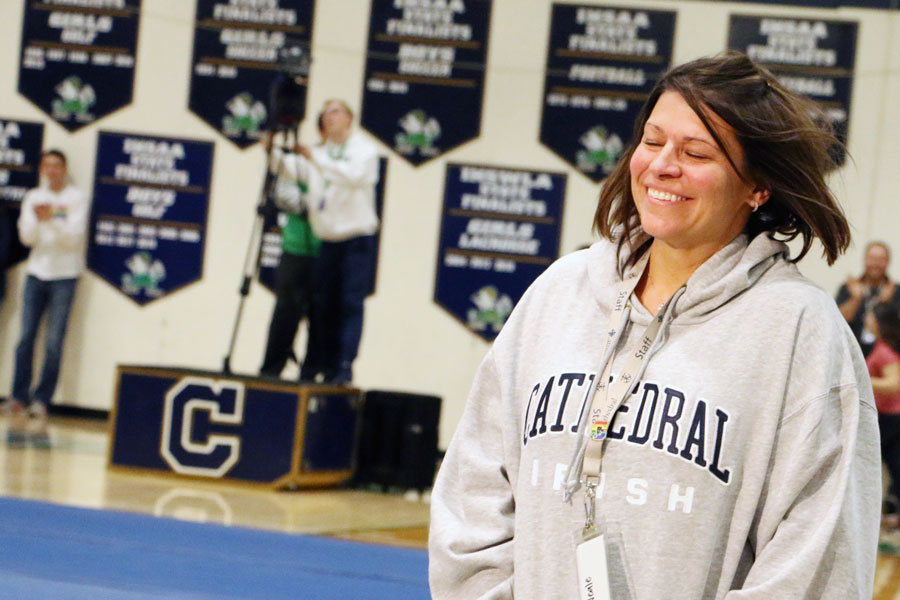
398 444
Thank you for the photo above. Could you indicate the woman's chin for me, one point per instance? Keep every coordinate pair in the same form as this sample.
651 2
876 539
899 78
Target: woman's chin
662 230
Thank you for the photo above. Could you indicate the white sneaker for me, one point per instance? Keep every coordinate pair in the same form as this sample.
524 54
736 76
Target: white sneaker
11 406
37 410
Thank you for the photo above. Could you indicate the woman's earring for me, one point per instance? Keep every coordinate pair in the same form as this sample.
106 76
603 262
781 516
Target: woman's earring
755 206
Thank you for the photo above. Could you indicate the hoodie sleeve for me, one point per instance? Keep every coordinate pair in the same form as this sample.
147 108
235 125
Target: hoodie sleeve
816 530
28 223
288 164
472 505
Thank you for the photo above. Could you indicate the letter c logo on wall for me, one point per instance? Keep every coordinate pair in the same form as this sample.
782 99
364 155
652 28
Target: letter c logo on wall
191 443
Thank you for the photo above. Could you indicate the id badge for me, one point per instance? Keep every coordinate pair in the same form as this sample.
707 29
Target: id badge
593 573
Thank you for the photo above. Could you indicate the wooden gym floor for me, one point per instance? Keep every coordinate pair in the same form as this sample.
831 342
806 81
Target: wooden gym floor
64 462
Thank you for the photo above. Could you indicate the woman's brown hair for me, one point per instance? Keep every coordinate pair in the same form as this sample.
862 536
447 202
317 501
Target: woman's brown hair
788 149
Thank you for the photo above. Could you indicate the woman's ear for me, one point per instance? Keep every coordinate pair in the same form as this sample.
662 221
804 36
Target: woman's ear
758 197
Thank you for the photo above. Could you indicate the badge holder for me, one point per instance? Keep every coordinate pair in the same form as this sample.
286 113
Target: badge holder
590 550
599 554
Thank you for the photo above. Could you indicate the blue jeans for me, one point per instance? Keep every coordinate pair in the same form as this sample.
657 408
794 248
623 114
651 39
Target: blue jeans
55 298
343 278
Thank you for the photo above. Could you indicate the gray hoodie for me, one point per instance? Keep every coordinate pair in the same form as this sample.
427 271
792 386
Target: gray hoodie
744 464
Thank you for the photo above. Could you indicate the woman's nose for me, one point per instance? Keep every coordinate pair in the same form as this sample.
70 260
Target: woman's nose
666 162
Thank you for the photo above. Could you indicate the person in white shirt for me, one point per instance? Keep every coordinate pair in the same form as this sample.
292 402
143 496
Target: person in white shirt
53 223
346 221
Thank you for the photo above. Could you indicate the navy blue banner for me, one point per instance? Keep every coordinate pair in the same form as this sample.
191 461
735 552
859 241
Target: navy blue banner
500 228
884 4
812 57
77 57
425 74
20 157
601 64
148 219
237 46
270 245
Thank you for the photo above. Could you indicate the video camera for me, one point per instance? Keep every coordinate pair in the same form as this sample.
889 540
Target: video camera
287 94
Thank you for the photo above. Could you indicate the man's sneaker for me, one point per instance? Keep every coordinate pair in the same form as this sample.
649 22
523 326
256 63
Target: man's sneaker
11 406
37 410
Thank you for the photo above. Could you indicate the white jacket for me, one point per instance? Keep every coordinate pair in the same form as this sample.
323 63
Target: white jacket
348 173
58 244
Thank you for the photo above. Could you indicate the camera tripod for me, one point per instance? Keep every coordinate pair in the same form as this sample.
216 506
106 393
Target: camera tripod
265 207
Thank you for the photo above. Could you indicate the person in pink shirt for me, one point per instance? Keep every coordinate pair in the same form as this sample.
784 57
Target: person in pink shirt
884 369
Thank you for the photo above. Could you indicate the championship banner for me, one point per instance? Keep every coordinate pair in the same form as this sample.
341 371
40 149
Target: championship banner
77 61
270 244
884 4
424 78
148 219
812 57
601 65
500 228
20 155
239 52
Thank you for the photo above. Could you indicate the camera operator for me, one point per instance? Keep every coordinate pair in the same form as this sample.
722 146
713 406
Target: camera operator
297 187
345 219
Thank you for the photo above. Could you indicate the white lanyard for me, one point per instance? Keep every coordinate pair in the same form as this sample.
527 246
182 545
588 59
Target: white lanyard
607 399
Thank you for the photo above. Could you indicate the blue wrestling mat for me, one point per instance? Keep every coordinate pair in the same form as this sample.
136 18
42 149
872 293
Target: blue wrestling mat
53 552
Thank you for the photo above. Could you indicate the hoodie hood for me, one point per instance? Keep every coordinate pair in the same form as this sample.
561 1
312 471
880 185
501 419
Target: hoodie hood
724 276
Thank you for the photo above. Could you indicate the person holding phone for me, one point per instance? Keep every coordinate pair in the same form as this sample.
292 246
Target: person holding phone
53 224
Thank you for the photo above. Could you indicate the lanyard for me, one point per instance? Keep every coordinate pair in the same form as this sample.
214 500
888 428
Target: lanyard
608 398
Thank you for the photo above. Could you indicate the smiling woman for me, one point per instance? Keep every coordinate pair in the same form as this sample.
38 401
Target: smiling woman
709 400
